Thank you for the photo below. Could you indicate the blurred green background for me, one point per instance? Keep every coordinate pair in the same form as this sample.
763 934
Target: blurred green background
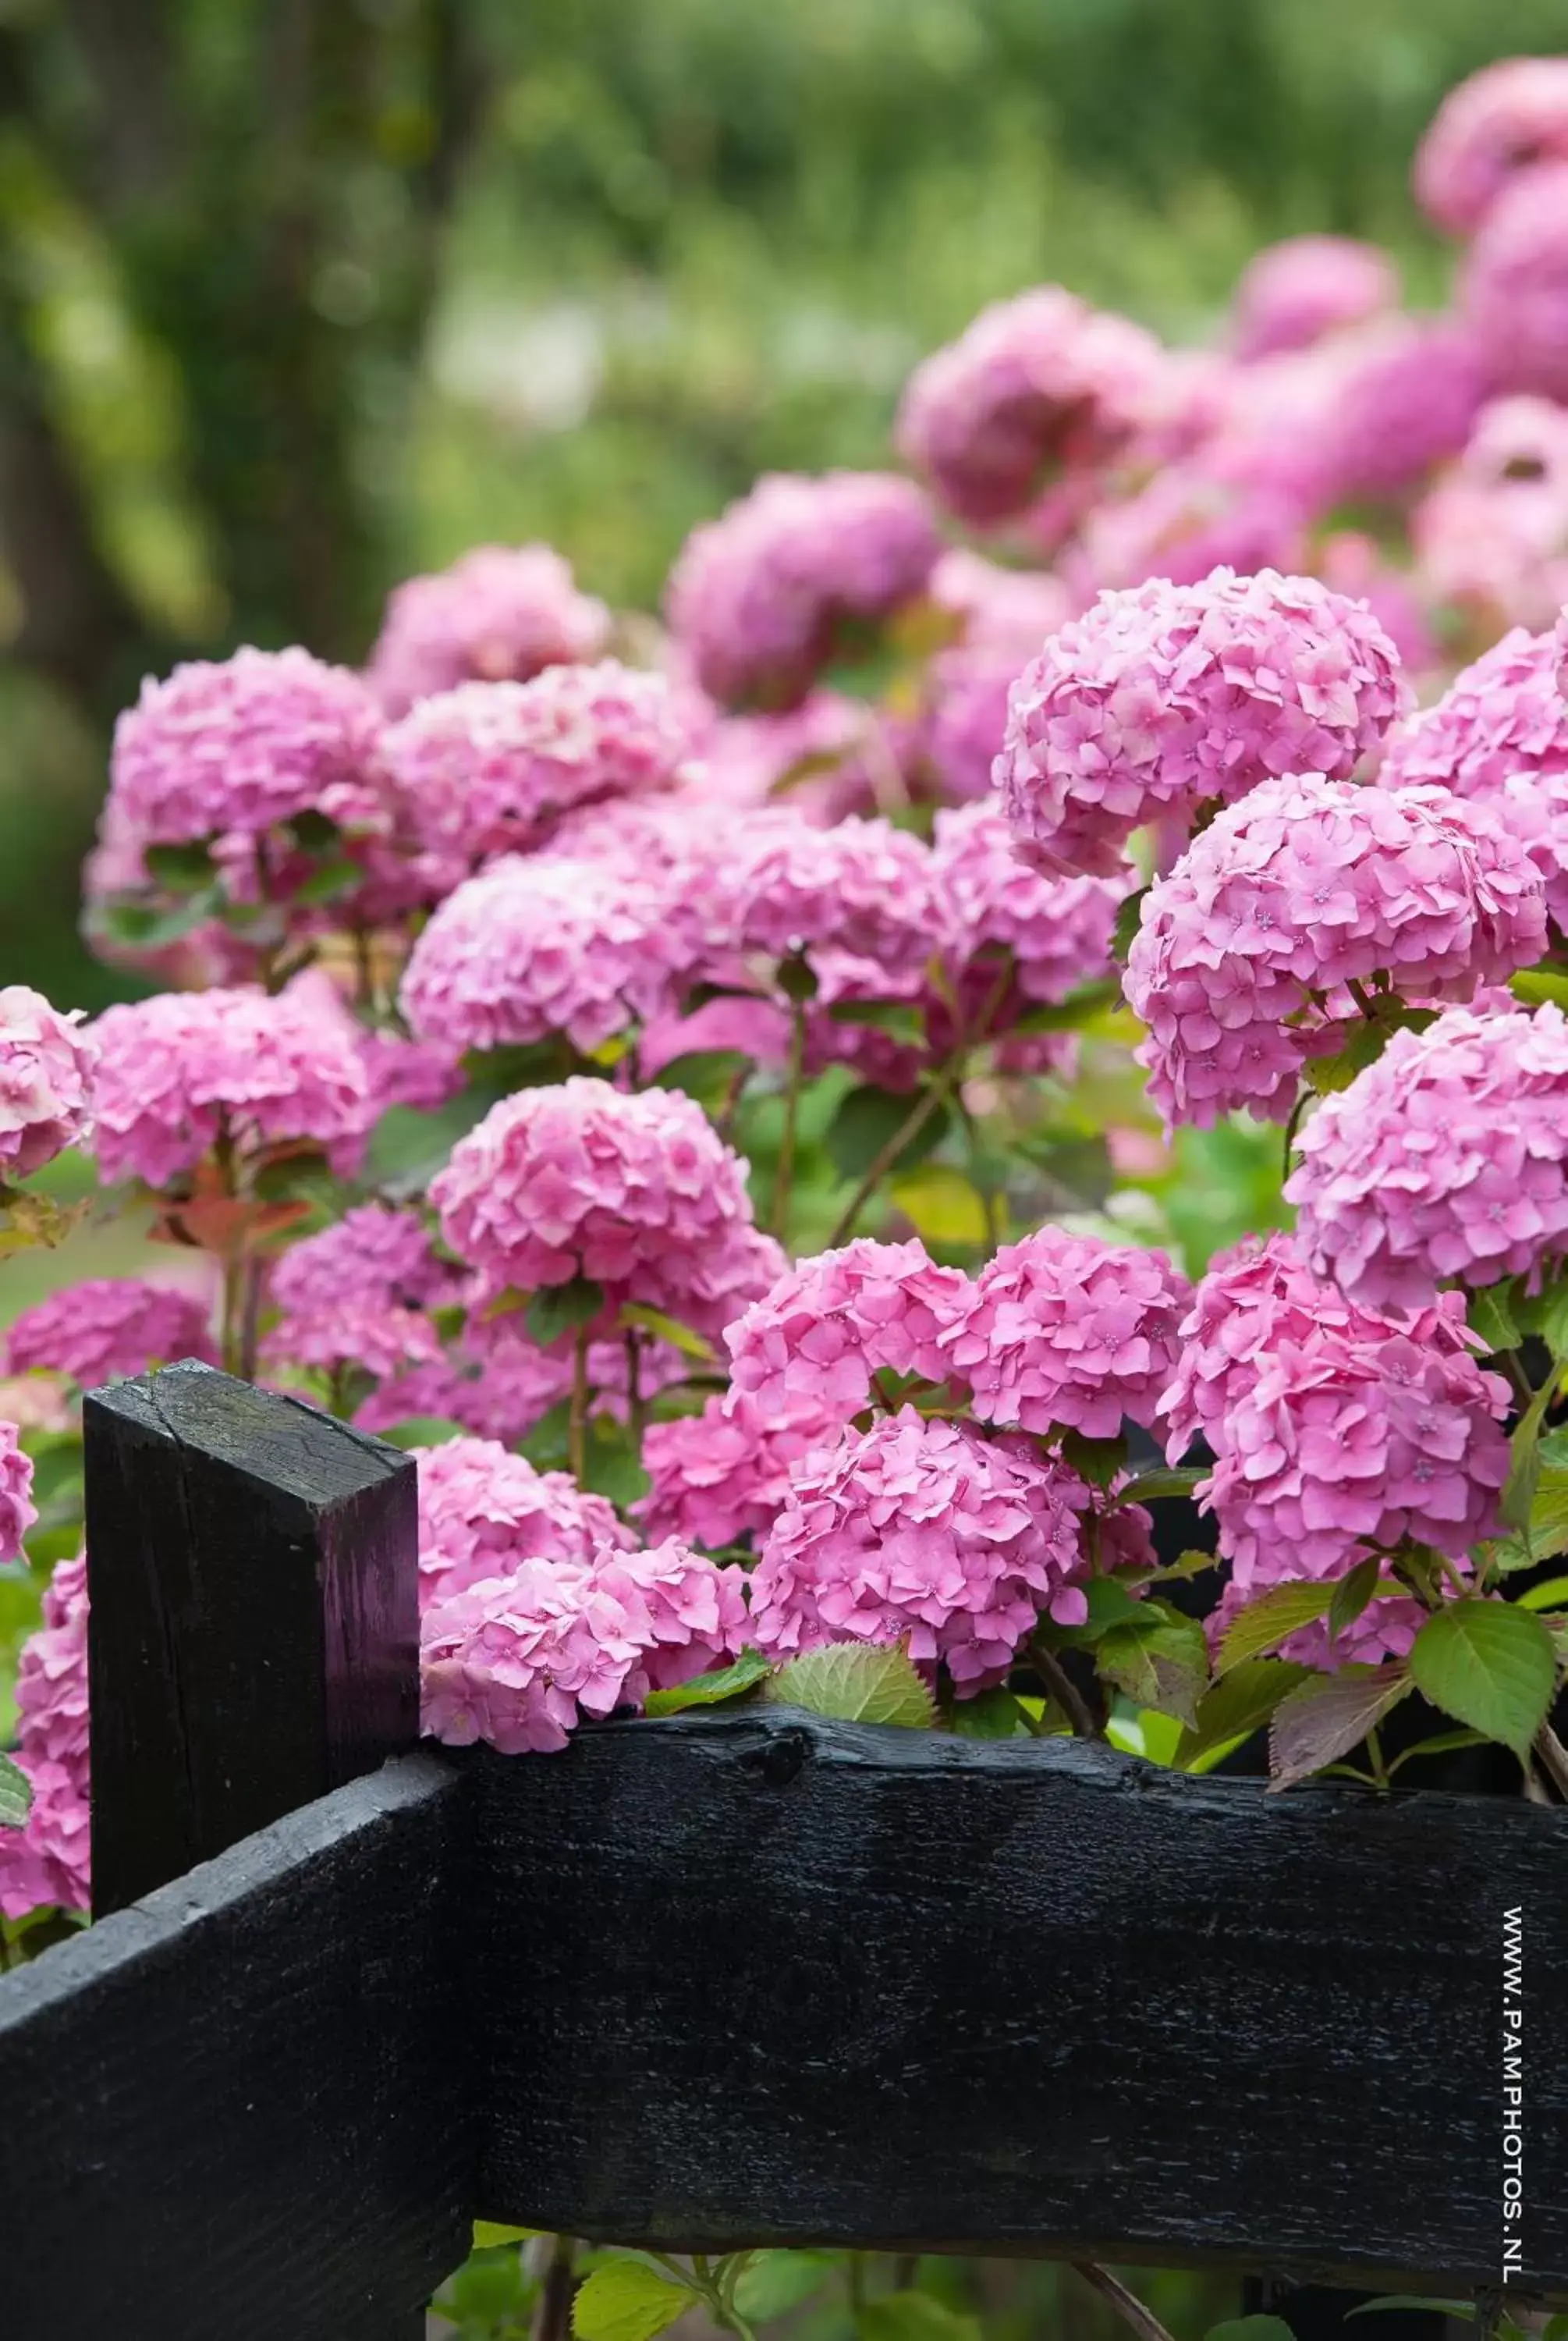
298 295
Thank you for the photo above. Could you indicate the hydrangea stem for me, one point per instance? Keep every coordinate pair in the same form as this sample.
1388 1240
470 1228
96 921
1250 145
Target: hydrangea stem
1063 1690
1127 2306
779 1215
636 1404
552 2310
577 1419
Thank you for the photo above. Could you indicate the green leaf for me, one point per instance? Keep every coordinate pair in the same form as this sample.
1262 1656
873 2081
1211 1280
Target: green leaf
488 2234
1491 1316
912 2316
1365 1044
798 980
179 868
707 1074
994 1714
312 831
15 1794
1150 1486
1553 1594
612 1465
1126 925
1239 1703
1098 1460
1271 1620
689 1343
1191 1563
147 927
941 1205
857 1681
1525 1467
1442 1743
547 1445
1070 1015
1353 1593
328 879
1110 1604
1250 2328
423 1430
1323 1720
1160 1662
1488 1664
559 1309
708 1691
408 1146
866 1122
775 2281
626 2301
1535 984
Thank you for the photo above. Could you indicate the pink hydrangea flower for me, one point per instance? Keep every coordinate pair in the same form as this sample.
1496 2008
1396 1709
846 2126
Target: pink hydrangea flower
110 1328
1444 1159
1499 735
498 1383
1514 291
177 1070
1184 523
1258 1297
483 1513
820 1333
1292 293
1349 562
536 945
724 1474
861 887
921 1530
500 614
759 598
633 1191
1017 606
359 1294
492 767
1067 1330
1166 697
744 759
17 1510
1492 536
1400 396
46 1068
45 1864
1502 121
240 746
1343 1445
1035 384
518 1660
1058 930
1308 885
401 1071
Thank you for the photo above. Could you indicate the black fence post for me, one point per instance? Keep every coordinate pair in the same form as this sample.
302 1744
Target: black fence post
252 1632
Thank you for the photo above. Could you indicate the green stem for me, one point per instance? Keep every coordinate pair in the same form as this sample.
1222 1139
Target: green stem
552 2310
1512 1365
1374 1755
1061 1687
1358 993
1302 1099
577 1419
1132 2311
636 1404
779 1215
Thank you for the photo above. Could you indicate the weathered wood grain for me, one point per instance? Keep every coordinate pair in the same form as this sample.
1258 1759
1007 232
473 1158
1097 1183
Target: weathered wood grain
242 2108
764 1979
253 1629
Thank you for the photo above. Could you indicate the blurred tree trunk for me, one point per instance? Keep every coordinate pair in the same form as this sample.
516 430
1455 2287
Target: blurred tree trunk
272 178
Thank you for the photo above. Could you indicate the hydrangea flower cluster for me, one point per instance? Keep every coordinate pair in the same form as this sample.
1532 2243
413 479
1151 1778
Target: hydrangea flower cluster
501 613
109 1328
491 768
359 1294
45 1863
516 1660
1165 698
862 887
925 1531
1243 952
1294 293
240 747
818 1334
1514 288
178 1071
1057 930
1034 384
1443 1160
1068 1330
541 944
1504 121
46 1076
759 598
483 1511
724 1474
17 1510
634 1192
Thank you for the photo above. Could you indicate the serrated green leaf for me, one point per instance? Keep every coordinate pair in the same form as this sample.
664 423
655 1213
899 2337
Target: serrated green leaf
1191 1563
488 2235
1551 1594
15 1794
941 1205
423 1430
1149 1487
1098 1460
912 2316
1321 1721
1237 1706
1269 1620
1489 1664
557 1309
1353 1593
993 1715
624 2300
867 1119
706 1075
1535 984
1160 1662
689 1343
1364 1045
1126 926
775 2281
1492 1317
859 1682
708 1691
408 1145
1109 1604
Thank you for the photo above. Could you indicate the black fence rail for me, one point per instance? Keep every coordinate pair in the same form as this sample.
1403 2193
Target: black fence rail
741 1979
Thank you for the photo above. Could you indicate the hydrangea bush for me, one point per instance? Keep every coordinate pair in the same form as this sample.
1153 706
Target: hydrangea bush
980 1143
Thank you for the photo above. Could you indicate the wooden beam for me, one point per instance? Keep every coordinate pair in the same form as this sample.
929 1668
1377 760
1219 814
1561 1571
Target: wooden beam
768 1979
253 1569
241 2108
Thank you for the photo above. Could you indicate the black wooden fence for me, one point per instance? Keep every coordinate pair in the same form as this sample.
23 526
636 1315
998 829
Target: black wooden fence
742 1979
